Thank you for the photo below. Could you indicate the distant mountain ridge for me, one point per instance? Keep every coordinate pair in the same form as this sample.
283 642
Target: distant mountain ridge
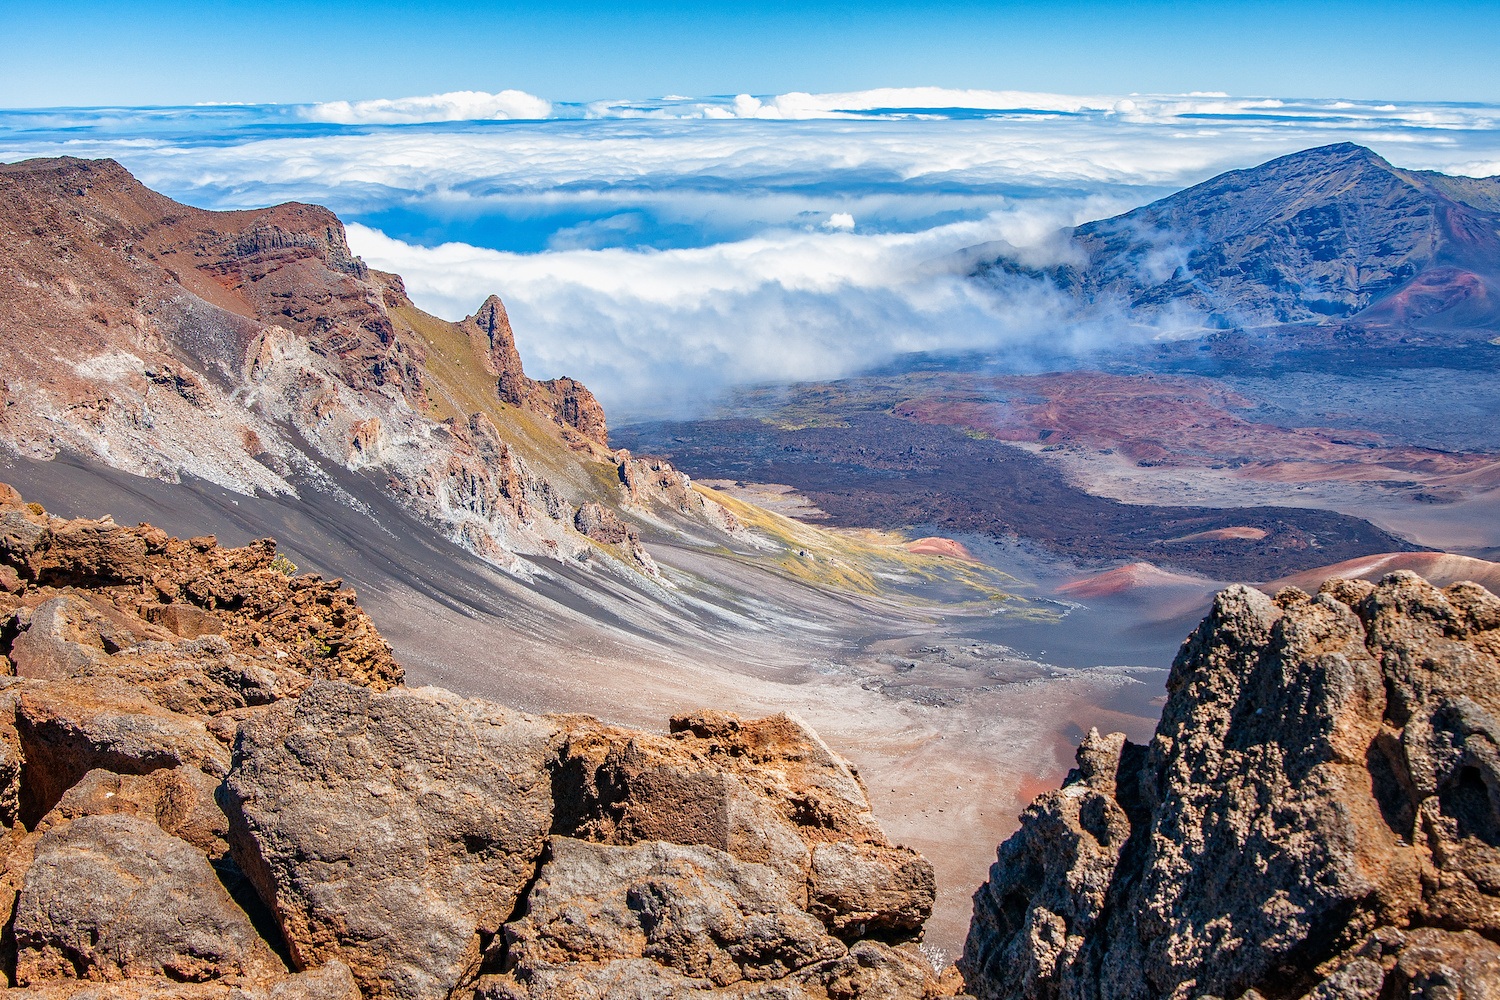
1334 233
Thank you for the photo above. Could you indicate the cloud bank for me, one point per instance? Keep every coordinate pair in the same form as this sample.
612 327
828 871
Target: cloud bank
457 106
664 332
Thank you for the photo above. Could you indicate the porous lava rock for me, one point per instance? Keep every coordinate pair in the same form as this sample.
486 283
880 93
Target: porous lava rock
1318 815
662 920
767 791
394 832
111 897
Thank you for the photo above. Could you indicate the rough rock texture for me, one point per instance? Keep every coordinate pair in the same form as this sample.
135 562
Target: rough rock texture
212 785
767 791
603 525
1318 814
392 831
152 907
175 617
652 482
661 920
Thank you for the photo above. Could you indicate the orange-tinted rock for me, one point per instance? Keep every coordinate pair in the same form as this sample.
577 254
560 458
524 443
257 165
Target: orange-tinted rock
1326 773
183 798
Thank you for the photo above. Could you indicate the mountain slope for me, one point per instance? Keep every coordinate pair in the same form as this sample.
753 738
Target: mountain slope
1332 233
253 350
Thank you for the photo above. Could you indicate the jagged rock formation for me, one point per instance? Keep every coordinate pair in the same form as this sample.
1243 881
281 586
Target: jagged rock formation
212 784
568 401
1327 234
1318 815
253 350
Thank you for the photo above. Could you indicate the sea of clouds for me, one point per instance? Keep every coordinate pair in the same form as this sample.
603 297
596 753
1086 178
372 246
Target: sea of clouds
665 250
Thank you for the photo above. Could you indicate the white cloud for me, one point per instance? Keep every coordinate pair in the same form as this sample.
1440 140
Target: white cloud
840 221
798 105
656 332
460 105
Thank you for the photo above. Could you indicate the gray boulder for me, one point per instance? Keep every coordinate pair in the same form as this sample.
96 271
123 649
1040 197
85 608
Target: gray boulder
393 832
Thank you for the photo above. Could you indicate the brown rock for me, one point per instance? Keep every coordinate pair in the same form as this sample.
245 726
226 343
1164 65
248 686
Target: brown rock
67 729
866 888
767 791
573 405
328 982
790 765
1437 963
564 400
180 800
393 832
1322 775
601 524
90 553
12 759
694 910
185 620
490 326
111 897
670 921
57 639
312 626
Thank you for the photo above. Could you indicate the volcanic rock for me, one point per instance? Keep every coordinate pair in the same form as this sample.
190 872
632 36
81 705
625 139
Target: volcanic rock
694 910
659 920
254 351
210 776
602 524
1318 814
767 791
180 800
68 729
400 845
565 400
113 897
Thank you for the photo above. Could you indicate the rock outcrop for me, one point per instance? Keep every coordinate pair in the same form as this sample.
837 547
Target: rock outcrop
1318 815
212 784
567 401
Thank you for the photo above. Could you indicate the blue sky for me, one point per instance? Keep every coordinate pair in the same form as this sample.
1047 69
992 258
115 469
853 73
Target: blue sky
91 53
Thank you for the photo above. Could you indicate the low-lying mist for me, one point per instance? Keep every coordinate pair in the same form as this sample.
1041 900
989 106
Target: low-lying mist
658 333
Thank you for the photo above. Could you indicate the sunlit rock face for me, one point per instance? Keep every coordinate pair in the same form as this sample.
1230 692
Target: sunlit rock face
214 784
1318 814
253 350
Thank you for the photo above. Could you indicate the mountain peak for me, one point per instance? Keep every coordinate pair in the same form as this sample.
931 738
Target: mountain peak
1322 234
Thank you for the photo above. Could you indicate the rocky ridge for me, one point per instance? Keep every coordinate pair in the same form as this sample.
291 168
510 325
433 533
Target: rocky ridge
213 784
253 350
1317 816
